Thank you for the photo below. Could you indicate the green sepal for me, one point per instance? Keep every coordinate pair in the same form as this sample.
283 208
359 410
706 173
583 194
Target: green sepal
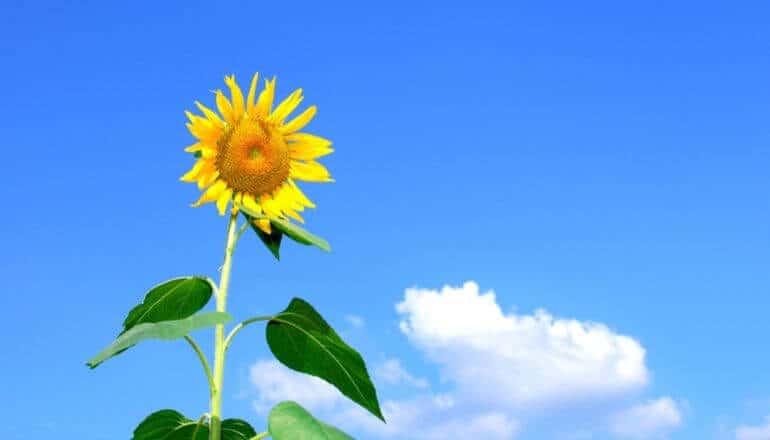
167 330
303 341
289 421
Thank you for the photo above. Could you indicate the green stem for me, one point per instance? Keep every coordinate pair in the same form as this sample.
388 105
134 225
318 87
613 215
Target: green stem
203 360
219 332
260 436
243 324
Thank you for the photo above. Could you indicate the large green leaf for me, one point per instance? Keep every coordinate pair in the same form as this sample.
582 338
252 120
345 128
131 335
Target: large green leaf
168 424
301 339
167 330
289 421
171 300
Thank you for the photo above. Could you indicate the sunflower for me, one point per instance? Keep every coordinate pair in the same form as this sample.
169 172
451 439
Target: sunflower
249 154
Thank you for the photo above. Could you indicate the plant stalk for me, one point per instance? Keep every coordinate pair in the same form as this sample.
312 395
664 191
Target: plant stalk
219 331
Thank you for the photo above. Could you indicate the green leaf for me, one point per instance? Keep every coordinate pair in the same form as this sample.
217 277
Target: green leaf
171 300
271 240
301 339
289 421
300 235
291 230
168 424
236 429
167 330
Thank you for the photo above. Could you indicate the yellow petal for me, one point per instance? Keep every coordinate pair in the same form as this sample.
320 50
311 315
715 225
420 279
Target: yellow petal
204 130
191 175
207 177
263 224
223 200
251 204
306 146
252 92
237 97
210 114
265 101
269 207
225 108
287 106
300 195
212 193
310 171
194 147
300 121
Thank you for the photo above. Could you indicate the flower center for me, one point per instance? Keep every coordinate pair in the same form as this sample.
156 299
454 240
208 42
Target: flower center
253 158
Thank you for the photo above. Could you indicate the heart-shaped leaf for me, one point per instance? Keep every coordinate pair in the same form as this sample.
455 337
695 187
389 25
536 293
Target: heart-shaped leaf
167 330
289 421
302 340
171 300
168 424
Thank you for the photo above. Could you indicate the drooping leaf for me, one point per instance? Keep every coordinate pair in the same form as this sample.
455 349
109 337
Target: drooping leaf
171 300
272 240
302 340
289 421
300 235
167 330
168 424
288 228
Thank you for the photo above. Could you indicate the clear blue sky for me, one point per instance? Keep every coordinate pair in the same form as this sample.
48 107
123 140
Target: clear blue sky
607 162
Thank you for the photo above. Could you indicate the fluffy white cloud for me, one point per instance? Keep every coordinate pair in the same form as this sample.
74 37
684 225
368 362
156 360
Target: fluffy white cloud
759 432
274 383
651 420
391 372
500 371
431 417
520 360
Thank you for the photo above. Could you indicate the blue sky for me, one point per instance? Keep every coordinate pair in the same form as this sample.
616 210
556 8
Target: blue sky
605 162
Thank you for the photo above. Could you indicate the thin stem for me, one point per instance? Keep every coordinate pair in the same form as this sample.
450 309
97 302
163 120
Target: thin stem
260 436
243 324
242 230
219 332
203 360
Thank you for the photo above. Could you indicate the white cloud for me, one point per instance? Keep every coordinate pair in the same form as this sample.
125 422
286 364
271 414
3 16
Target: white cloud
431 417
519 360
391 372
651 420
499 371
274 383
760 432
355 320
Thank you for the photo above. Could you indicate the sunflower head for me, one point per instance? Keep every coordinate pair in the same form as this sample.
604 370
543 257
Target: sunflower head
247 152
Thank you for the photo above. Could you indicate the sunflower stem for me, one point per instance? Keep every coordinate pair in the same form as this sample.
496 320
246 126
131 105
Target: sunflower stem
215 422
